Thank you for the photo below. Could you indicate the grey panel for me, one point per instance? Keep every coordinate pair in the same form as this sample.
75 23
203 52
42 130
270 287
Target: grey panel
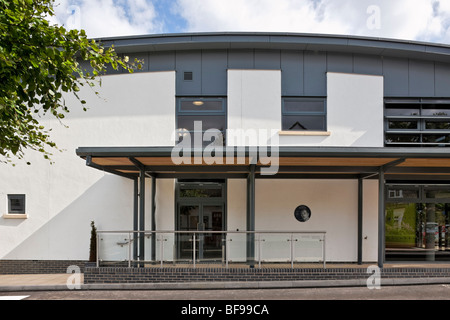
340 62
189 61
161 61
421 78
292 73
365 64
315 68
241 59
267 59
395 73
214 72
442 80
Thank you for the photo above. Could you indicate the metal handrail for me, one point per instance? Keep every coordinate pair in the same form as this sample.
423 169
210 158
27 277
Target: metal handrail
257 240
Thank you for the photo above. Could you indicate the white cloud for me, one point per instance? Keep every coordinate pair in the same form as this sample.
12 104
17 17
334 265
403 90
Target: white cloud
105 18
400 19
424 20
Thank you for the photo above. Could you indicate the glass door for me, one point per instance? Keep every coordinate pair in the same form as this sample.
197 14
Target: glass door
200 207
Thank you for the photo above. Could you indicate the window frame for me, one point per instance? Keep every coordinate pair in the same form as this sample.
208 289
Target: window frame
322 114
16 214
199 113
421 131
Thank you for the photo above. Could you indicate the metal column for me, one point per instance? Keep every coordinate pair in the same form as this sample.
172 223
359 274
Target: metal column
251 216
142 216
135 218
381 218
154 218
360 219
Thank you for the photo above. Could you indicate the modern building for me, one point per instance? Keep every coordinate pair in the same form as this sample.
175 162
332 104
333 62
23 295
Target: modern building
242 148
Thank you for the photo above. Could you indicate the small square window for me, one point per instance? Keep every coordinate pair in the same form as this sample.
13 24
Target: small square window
16 204
188 76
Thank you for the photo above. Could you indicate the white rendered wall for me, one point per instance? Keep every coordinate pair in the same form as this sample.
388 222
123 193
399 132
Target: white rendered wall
276 200
254 102
62 198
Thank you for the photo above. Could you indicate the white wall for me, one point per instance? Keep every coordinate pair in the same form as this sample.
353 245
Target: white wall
254 102
62 198
334 206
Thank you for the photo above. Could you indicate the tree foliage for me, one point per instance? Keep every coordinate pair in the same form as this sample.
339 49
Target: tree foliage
38 63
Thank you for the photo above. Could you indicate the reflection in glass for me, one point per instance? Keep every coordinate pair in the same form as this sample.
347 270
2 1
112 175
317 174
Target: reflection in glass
417 231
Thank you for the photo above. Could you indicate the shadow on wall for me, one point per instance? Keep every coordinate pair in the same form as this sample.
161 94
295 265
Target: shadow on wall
66 236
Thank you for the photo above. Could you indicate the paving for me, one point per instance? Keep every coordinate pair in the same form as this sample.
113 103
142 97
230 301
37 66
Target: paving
49 282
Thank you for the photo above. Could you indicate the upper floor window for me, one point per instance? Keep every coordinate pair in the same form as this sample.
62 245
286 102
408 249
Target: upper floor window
417 122
203 119
299 114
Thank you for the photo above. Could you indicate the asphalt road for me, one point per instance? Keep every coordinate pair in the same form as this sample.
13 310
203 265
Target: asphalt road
412 292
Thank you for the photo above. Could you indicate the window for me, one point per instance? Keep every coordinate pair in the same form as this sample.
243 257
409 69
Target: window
417 122
16 203
299 114
195 116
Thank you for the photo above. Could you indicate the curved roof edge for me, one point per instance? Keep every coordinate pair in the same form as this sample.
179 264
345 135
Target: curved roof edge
273 40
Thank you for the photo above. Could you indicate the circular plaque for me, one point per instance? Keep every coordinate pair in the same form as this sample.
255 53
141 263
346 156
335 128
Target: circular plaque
302 213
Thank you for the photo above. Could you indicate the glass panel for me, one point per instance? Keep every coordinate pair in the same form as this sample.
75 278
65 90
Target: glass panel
403 125
402 138
186 192
304 105
201 105
206 122
212 242
16 204
436 110
188 220
402 110
437 125
302 122
436 138
403 193
417 232
437 193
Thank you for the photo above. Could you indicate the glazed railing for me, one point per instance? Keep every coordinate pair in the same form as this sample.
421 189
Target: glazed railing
226 248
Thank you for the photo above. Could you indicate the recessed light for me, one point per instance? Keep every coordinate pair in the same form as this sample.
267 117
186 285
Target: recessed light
198 103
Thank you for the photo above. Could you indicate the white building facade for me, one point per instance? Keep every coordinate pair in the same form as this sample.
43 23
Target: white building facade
354 131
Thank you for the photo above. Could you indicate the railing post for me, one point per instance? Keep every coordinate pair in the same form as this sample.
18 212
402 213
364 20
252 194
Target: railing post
194 248
129 249
161 249
98 249
324 253
292 251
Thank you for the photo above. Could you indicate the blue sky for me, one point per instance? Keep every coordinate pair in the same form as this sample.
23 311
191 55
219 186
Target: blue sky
420 20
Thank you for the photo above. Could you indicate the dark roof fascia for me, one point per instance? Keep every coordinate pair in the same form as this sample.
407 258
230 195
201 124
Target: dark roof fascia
357 152
293 41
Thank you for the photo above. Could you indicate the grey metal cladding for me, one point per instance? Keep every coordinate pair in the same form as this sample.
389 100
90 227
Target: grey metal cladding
395 71
214 72
267 59
241 59
421 78
339 62
442 80
367 64
189 61
292 75
315 68
161 61
410 69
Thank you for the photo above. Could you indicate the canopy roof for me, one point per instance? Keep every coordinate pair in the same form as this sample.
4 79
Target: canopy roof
426 164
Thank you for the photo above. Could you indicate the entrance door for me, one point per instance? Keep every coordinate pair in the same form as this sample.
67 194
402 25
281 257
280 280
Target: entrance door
200 207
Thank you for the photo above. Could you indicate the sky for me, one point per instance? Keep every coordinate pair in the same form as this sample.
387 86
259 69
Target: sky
416 20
